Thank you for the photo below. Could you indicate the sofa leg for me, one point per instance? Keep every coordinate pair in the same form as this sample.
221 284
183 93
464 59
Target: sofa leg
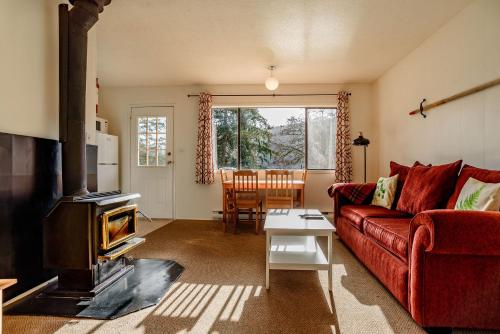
438 330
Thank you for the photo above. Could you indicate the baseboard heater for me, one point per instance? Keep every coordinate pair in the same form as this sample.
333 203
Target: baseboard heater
218 213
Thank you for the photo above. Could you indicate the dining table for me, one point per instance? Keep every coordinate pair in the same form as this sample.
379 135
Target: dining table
297 185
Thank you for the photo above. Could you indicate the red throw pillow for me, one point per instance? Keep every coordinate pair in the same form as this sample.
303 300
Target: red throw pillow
402 171
483 175
428 188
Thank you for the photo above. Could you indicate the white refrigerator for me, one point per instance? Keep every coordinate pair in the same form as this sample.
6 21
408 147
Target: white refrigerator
107 162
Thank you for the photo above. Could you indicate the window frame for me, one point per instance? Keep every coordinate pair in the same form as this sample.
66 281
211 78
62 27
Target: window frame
306 148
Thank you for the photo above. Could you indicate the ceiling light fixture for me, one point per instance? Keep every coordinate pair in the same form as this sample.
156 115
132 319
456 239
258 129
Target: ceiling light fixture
272 83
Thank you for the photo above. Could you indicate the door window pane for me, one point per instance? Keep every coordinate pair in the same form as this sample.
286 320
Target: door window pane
162 141
152 158
162 157
142 141
143 161
143 124
162 125
151 141
152 124
321 138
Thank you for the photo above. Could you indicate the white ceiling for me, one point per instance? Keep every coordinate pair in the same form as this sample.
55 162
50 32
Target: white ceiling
162 42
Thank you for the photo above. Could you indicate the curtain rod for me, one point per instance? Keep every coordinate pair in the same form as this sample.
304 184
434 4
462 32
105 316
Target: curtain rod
273 95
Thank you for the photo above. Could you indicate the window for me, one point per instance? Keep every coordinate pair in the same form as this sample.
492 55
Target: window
151 141
274 138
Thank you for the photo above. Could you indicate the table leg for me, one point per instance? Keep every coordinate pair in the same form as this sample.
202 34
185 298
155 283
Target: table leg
1 315
224 213
330 261
268 246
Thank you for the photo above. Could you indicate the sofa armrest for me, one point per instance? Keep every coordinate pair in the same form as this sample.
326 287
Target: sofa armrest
457 232
454 269
350 193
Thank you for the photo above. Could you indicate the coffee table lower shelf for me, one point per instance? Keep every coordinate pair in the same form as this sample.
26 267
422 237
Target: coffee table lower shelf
296 253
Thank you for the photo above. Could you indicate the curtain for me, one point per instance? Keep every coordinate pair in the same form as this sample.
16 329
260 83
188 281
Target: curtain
204 149
343 169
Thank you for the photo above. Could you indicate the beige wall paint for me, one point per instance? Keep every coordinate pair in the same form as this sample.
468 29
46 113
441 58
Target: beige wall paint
29 102
195 201
462 54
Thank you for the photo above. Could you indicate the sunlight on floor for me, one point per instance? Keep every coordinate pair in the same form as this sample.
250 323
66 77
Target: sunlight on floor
207 303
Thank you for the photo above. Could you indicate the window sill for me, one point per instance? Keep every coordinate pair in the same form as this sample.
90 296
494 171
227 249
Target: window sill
321 171
309 171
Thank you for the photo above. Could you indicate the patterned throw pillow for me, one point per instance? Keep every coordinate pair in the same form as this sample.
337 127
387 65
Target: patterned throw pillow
479 196
385 191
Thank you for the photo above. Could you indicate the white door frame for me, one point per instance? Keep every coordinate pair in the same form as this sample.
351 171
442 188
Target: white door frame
147 105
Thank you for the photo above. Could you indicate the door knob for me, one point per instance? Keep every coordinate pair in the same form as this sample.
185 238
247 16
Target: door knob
170 162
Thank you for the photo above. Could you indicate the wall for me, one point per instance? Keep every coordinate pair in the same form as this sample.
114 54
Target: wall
462 54
194 201
29 65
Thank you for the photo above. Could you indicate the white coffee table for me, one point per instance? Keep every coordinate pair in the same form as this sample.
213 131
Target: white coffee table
291 242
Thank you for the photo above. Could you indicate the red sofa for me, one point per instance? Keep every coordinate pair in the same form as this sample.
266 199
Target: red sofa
442 265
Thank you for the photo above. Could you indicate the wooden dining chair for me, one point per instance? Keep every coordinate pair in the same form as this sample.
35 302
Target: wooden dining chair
230 214
279 189
301 175
246 195
227 198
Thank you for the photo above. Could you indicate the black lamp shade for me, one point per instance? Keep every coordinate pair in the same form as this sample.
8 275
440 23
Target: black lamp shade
361 141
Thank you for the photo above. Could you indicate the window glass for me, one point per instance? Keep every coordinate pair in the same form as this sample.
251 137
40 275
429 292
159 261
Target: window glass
225 132
321 133
272 138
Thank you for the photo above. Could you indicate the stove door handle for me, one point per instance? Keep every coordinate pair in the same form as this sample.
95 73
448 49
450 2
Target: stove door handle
144 215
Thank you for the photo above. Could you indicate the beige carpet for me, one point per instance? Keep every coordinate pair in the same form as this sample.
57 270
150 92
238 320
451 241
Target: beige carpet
222 291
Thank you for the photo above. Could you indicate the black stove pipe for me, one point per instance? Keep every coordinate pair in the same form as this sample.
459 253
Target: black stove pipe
73 30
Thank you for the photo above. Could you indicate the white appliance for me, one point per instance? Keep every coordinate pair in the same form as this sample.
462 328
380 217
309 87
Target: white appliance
101 125
107 162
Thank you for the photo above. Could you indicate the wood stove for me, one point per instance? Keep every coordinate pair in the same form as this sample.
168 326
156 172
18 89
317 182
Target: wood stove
86 234
86 238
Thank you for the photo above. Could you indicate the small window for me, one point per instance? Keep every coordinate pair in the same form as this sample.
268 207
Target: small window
151 141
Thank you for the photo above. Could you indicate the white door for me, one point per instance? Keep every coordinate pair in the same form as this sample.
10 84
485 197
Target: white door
151 165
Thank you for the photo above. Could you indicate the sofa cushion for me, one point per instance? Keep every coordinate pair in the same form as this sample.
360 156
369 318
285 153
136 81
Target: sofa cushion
356 214
402 171
484 175
390 233
428 188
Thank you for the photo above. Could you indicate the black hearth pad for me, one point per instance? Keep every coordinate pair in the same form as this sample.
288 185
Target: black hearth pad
143 287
